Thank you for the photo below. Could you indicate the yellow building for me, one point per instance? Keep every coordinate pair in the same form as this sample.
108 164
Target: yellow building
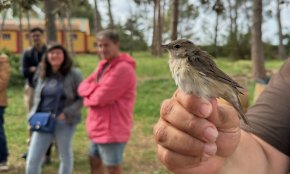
9 40
91 44
12 37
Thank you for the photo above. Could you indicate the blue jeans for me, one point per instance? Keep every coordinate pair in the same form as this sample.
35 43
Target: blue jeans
110 153
40 142
3 142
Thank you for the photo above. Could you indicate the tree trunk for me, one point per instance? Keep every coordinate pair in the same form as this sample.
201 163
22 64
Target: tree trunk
231 16
248 16
157 39
20 30
281 48
174 19
235 20
153 45
216 35
51 31
28 26
71 36
97 18
64 29
257 54
160 30
235 31
4 15
111 24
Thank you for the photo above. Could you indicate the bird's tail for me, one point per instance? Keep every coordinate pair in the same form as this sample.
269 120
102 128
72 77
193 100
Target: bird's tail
242 115
236 103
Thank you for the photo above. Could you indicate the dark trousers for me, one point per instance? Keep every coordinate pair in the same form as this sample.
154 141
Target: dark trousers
3 142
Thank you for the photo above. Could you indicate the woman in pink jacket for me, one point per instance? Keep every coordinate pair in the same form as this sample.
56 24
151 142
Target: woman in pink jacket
109 93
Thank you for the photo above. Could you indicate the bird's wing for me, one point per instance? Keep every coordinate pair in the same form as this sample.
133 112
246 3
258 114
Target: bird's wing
203 63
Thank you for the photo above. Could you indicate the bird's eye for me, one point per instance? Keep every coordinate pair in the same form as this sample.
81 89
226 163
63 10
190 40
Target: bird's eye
177 46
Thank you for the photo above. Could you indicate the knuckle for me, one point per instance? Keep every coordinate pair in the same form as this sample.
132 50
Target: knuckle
191 124
167 159
166 107
160 132
194 126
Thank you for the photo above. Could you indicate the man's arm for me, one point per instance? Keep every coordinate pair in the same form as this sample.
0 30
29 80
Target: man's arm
198 136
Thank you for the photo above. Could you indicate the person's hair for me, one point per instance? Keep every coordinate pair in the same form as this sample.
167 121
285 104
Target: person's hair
110 34
35 29
45 69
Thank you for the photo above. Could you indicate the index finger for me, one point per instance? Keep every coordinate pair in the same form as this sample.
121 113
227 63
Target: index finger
194 104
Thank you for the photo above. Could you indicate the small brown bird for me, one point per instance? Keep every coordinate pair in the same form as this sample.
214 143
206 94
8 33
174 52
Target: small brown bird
194 71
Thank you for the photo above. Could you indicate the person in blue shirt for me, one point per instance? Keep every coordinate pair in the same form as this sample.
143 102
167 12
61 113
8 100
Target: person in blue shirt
56 91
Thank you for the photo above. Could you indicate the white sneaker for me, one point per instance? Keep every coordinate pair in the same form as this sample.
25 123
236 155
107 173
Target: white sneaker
4 167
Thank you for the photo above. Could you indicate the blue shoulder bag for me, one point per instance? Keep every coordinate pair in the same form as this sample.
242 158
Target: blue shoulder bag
44 121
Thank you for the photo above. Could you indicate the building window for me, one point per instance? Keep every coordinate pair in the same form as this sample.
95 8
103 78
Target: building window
6 36
27 36
74 36
95 44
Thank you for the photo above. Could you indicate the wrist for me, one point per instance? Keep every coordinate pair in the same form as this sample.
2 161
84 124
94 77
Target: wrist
248 157
228 166
232 163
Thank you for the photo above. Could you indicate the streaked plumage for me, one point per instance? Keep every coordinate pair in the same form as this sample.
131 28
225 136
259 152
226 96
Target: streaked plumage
194 71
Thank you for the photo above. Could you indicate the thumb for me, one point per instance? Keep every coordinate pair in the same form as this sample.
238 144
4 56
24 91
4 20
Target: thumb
227 122
223 116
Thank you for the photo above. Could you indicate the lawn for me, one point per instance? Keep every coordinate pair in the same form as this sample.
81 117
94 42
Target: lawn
154 85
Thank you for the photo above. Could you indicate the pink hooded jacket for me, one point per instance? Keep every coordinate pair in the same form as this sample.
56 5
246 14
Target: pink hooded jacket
110 101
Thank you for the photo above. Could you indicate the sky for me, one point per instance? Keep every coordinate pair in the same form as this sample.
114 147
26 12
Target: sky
270 27
122 8
203 26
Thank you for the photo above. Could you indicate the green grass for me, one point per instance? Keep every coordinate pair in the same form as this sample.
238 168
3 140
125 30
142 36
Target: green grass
154 85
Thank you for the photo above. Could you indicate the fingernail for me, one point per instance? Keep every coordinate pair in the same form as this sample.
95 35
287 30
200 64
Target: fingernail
211 134
205 109
210 149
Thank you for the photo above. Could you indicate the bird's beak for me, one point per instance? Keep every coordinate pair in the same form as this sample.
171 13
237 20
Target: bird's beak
165 46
